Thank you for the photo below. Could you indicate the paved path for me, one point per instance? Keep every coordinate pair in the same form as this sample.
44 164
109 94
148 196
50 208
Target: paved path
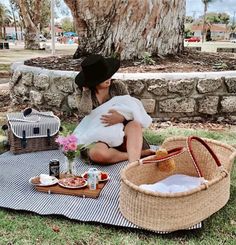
4 86
4 80
18 53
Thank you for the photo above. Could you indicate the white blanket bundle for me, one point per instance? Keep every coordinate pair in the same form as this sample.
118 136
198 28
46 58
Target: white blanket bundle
174 184
91 129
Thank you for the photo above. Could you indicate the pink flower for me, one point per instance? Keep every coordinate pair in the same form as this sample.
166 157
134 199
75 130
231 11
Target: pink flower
72 146
72 138
65 148
68 145
59 140
65 141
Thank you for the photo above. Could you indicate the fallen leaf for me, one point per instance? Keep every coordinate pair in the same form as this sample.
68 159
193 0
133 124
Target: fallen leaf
56 229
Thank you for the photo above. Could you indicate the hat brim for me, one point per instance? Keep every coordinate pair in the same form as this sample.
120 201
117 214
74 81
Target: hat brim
112 64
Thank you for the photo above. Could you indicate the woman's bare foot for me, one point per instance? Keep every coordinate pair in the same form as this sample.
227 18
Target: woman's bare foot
147 152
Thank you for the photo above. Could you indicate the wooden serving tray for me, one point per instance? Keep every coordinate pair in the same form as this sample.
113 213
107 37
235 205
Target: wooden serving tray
83 192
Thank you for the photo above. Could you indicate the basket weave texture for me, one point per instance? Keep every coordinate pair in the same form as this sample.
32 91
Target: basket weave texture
175 211
33 144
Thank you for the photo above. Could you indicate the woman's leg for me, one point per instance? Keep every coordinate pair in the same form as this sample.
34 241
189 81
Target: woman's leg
134 141
101 153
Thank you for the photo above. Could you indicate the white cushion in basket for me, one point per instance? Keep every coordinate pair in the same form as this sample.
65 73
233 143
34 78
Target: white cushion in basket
175 183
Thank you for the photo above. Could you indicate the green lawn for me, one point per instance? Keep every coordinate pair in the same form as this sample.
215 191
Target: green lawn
5 67
27 228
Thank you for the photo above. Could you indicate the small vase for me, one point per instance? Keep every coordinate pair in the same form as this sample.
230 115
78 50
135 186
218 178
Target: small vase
70 167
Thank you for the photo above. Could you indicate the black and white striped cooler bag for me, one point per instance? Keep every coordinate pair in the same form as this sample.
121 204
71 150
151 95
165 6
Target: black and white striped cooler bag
34 132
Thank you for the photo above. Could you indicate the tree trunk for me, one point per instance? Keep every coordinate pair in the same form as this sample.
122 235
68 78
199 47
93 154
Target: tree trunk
4 32
204 23
30 39
30 24
1 36
129 27
14 19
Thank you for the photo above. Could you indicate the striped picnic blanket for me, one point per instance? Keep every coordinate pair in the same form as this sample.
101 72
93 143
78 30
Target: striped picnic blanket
16 192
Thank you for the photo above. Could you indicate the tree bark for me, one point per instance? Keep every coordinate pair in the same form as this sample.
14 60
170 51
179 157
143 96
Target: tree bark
204 22
14 19
1 36
30 24
129 27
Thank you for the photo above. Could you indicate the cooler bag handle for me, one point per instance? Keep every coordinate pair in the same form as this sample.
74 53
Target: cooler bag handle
208 148
29 111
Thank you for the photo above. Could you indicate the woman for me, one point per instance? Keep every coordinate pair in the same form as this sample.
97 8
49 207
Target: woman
95 88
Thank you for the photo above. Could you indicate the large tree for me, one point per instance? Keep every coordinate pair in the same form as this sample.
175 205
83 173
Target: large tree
34 14
129 27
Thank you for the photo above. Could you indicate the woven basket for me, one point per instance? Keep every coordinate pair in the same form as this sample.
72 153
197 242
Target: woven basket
34 132
33 145
169 212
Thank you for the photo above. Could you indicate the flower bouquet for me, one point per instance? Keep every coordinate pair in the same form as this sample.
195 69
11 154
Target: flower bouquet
71 150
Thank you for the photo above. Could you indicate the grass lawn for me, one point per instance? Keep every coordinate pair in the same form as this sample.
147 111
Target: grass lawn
28 228
5 67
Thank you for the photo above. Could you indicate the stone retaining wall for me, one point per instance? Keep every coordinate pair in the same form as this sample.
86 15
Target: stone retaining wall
185 96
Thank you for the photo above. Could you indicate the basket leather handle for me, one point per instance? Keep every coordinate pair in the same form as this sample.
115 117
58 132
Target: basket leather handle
171 153
189 145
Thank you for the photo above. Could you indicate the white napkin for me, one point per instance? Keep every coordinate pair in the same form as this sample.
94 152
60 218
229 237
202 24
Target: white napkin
175 183
46 179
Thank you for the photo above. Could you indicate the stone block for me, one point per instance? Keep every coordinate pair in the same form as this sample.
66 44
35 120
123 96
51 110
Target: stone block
71 100
228 104
149 105
20 90
64 84
41 82
36 97
183 87
53 99
16 77
157 86
27 78
231 84
233 120
209 85
208 105
135 87
185 105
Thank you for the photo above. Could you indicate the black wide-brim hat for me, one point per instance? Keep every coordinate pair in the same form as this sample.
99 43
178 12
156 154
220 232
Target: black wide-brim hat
96 69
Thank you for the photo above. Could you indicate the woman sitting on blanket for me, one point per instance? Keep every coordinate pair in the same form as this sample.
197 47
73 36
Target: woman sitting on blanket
96 88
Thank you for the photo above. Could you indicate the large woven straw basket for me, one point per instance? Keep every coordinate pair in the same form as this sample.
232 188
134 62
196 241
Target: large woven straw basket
174 211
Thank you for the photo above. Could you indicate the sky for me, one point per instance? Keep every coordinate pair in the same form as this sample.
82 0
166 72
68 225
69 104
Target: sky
196 7
64 12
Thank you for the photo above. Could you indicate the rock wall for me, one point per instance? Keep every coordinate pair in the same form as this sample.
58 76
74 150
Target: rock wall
165 96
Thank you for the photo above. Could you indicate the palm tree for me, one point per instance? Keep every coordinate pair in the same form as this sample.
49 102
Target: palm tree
5 19
2 11
13 9
206 4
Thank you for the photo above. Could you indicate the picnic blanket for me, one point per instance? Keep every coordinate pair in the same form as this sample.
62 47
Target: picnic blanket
16 192
91 129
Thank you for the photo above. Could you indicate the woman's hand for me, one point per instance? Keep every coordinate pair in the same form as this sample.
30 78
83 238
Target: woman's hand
113 117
